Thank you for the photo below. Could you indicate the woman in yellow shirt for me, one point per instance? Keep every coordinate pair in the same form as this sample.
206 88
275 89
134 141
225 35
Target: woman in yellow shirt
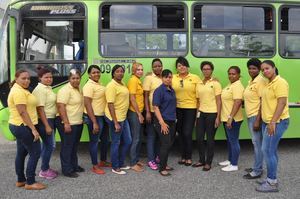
134 115
69 123
184 83
95 102
117 97
46 108
209 95
275 116
22 123
232 117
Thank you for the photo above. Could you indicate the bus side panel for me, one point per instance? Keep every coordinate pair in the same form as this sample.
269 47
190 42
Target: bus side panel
4 129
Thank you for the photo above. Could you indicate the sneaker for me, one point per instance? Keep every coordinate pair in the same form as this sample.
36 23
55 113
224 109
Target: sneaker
71 175
248 170
224 163
251 176
141 164
260 182
54 171
35 186
104 164
230 168
20 184
48 174
157 160
137 168
118 171
97 170
79 169
267 187
125 168
152 165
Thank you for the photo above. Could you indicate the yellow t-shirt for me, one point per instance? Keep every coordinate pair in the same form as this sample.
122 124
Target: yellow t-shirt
117 94
252 95
151 82
135 88
274 90
206 93
73 100
96 92
46 98
20 96
230 93
185 90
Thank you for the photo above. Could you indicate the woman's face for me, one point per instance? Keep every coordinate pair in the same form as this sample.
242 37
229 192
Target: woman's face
47 79
139 71
253 71
119 74
75 80
233 75
95 74
23 80
181 69
167 80
267 70
207 71
157 68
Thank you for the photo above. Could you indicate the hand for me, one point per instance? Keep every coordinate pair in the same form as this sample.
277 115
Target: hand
141 118
67 128
148 117
271 128
36 135
228 123
49 130
164 128
117 127
256 126
217 122
95 128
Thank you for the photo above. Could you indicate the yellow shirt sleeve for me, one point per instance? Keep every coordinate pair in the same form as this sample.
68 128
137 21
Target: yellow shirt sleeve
40 95
63 96
19 98
218 88
281 90
110 94
147 83
237 92
132 86
88 91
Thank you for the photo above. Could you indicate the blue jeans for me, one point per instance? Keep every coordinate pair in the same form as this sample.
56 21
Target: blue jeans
257 143
69 146
120 143
152 140
48 144
136 131
233 145
269 148
26 145
94 139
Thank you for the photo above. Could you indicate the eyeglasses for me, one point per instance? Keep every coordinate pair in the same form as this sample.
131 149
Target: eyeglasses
181 83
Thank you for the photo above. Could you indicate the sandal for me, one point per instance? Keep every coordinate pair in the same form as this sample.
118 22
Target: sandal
164 173
182 161
198 164
188 163
207 167
169 168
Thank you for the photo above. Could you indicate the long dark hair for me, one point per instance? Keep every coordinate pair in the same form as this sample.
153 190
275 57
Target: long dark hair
17 74
271 63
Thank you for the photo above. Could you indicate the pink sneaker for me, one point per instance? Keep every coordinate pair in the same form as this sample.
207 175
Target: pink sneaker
152 165
54 171
48 174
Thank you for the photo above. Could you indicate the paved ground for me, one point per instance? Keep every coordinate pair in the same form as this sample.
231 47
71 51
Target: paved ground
185 182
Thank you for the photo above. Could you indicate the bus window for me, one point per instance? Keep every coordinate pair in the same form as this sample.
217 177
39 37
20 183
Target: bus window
243 31
142 30
290 32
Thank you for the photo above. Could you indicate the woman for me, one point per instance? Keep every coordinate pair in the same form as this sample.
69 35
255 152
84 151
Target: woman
22 123
117 97
209 95
184 84
134 115
151 82
275 116
164 105
69 124
46 108
95 102
252 95
232 117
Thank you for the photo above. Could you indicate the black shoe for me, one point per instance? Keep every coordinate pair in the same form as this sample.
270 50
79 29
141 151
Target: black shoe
248 170
249 176
198 164
71 175
207 167
79 169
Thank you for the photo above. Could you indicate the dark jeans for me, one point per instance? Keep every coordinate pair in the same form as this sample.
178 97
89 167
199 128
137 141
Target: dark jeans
48 144
166 142
26 145
206 125
152 140
233 144
94 139
120 143
136 131
184 126
69 146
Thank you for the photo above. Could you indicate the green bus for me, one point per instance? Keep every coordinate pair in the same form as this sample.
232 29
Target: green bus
70 34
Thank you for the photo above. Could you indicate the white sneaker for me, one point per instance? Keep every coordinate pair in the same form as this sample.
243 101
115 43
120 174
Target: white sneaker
125 168
230 168
118 172
224 163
